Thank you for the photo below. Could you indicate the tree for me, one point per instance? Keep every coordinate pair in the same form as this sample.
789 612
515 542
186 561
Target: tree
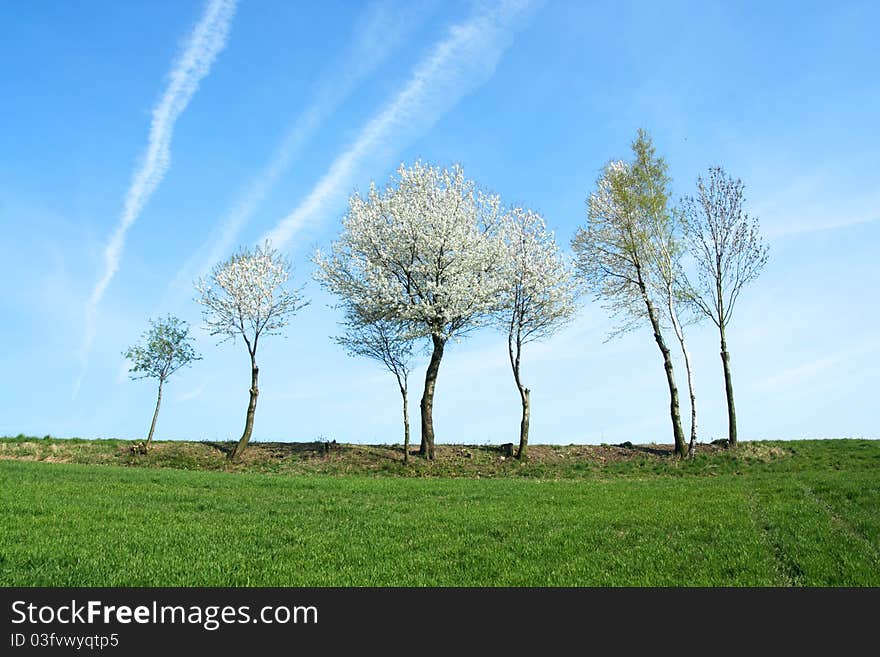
628 220
387 342
671 286
164 348
538 296
728 251
424 252
246 296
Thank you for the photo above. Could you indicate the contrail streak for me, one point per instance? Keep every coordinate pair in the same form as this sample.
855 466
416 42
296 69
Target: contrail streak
377 33
205 42
462 61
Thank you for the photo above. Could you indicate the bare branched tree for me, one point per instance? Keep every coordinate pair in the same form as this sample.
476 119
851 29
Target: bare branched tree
246 296
729 252
387 342
164 348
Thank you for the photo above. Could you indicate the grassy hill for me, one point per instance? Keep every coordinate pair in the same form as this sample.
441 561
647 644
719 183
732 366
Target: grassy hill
794 513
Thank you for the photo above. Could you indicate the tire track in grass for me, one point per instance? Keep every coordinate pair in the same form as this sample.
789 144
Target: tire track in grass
839 521
788 571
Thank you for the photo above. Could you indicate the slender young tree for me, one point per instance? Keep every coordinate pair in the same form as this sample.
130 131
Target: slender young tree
164 348
616 252
538 298
425 252
388 343
666 250
672 311
729 252
670 288
246 296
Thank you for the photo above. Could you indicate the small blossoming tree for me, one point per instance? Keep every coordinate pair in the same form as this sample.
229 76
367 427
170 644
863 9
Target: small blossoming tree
246 297
538 296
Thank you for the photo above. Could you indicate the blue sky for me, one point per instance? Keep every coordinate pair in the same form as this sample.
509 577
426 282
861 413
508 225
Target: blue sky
292 106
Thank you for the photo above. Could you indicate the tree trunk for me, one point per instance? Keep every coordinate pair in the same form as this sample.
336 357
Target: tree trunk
692 445
427 405
514 350
728 388
677 433
236 453
155 416
524 424
405 426
679 333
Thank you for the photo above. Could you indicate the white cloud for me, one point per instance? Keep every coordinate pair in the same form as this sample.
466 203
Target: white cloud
205 42
462 61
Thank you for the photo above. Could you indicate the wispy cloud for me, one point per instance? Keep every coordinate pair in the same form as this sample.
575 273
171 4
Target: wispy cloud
205 42
456 65
817 200
800 375
191 394
377 33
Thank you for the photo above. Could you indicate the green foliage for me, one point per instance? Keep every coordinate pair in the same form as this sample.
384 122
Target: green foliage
164 348
804 513
627 252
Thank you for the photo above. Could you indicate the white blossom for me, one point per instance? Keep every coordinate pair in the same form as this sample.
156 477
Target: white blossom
539 292
538 296
245 296
424 251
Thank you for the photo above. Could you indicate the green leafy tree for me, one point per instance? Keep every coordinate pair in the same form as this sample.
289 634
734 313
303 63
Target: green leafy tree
164 348
629 228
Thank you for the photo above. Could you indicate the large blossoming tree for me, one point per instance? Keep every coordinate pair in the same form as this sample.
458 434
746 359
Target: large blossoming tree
246 297
538 296
424 251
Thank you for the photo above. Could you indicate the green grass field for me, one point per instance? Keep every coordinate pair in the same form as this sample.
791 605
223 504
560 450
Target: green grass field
800 513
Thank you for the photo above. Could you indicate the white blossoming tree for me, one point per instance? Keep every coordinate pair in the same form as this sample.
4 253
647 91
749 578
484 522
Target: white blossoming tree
425 252
246 297
729 253
387 342
538 296
628 219
164 348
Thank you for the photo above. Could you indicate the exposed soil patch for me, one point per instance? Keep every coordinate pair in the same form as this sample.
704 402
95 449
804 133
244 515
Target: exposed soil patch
316 457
